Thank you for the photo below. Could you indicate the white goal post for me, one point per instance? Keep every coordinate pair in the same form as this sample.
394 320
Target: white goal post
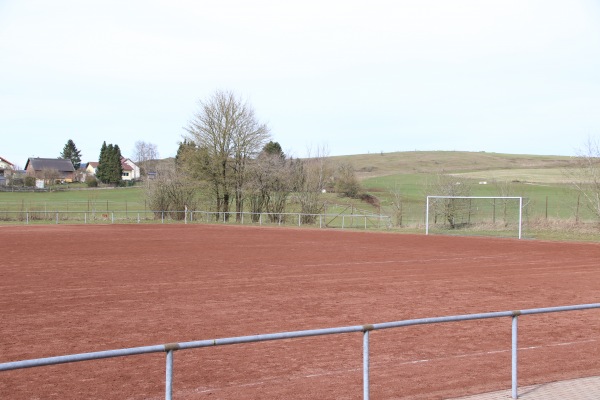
520 199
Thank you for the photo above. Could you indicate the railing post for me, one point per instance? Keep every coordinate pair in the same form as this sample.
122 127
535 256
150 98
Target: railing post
169 376
515 394
366 330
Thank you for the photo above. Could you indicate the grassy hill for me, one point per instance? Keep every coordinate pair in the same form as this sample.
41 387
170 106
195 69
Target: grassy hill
434 162
410 176
542 179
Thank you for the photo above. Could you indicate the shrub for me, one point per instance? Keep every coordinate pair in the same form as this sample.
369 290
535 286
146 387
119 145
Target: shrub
29 181
346 182
91 181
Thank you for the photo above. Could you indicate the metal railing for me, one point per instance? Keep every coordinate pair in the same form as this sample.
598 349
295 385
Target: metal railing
365 329
357 221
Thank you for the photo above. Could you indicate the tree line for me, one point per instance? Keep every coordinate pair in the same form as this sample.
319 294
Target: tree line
230 155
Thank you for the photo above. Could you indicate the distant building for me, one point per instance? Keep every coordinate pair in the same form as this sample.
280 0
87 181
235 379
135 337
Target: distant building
131 171
51 169
6 168
90 169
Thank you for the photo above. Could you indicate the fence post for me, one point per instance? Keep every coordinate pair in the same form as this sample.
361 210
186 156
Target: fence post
366 330
299 219
169 376
112 217
57 218
515 394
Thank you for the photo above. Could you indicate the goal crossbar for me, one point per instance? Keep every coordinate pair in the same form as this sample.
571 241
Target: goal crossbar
476 197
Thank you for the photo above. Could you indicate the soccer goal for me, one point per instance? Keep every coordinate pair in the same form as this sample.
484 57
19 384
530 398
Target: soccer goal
474 215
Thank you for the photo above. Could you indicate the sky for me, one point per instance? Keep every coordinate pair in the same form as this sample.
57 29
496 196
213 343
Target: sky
340 77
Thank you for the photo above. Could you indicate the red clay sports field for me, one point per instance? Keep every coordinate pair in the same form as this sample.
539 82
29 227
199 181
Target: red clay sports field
75 289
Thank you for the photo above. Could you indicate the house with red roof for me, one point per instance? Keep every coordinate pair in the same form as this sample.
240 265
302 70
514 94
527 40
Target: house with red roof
131 171
6 169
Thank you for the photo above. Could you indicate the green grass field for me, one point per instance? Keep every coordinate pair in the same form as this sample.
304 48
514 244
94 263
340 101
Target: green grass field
541 180
110 199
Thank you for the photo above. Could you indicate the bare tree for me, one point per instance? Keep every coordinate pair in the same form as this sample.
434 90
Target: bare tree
269 184
346 182
397 204
451 210
229 134
146 156
50 175
311 177
585 175
171 192
504 189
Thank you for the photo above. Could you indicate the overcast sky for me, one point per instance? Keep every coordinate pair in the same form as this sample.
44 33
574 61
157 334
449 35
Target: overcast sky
510 76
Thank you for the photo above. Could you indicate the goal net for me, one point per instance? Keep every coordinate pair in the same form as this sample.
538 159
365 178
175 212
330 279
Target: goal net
473 215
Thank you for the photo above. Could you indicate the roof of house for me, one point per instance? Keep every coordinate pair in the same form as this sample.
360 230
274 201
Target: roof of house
125 165
6 161
93 164
59 164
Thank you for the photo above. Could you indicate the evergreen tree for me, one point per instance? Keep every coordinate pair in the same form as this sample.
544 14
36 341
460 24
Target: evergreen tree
70 152
273 149
184 147
102 164
116 167
110 169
